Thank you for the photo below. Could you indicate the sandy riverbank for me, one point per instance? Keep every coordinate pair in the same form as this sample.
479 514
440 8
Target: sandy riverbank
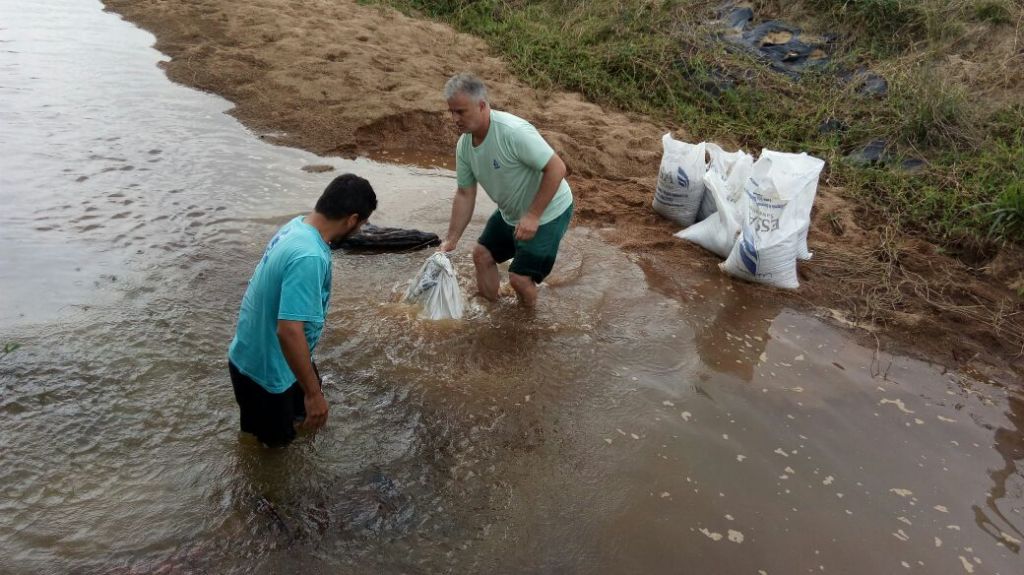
338 78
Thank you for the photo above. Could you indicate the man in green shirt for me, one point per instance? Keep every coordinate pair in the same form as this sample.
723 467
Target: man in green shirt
523 175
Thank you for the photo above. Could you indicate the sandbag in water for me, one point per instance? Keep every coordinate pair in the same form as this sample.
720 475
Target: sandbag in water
436 289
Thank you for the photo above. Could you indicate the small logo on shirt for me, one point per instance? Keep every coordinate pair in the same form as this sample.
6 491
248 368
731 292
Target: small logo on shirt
277 237
497 166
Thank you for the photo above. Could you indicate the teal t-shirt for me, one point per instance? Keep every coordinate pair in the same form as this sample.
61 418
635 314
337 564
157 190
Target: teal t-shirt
291 282
509 164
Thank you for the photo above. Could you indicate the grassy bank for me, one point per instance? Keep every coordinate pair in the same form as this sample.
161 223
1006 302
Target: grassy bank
662 58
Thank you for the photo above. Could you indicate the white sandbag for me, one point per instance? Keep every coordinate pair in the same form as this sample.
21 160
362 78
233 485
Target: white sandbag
804 172
436 289
734 167
718 232
680 180
803 251
773 216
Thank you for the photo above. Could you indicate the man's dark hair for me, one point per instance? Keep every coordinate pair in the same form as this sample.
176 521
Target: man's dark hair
346 195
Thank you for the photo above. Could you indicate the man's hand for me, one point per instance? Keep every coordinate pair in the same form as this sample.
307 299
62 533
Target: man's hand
527 227
316 410
291 335
447 246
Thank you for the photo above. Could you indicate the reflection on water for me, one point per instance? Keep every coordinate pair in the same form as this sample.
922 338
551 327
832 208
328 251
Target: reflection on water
632 424
993 518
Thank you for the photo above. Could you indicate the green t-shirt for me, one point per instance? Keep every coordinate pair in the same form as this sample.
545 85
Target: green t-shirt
509 164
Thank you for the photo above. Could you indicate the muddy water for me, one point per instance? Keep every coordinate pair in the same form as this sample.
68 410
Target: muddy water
630 425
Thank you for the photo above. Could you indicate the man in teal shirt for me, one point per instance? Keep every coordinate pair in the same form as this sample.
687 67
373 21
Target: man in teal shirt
283 313
523 175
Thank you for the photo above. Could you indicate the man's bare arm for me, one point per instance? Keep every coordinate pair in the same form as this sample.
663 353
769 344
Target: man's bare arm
292 335
462 211
554 173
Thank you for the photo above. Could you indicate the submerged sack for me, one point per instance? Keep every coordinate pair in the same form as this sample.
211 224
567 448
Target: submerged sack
436 289
774 218
733 167
680 180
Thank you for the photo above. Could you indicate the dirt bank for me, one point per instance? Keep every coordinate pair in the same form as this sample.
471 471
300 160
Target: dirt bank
338 78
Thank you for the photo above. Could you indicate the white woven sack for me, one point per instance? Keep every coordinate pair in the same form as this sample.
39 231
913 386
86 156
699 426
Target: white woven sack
774 215
680 185
733 167
803 172
717 233
436 289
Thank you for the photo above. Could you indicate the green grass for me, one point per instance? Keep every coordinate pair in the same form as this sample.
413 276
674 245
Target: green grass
889 26
658 58
1007 212
994 11
929 113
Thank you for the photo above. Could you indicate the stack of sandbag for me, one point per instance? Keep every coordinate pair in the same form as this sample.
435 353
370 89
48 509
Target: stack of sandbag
436 289
774 219
754 214
723 190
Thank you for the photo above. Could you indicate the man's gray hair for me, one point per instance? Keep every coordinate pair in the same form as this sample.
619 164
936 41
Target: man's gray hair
467 84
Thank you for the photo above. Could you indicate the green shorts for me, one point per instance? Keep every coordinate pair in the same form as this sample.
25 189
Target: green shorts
534 257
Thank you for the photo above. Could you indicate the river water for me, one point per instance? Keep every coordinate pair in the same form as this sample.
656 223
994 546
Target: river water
619 429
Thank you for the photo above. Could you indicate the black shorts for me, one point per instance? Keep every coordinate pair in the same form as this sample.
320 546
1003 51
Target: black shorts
271 417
